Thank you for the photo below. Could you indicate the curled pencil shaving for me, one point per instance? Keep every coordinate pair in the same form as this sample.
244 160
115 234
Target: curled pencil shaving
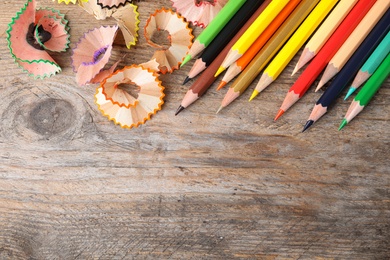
130 96
104 73
109 4
32 32
41 12
200 13
51 34
92 53
180 38
96 10
127 19
69 1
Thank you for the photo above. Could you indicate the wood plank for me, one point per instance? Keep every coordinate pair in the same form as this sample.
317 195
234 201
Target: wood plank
196 186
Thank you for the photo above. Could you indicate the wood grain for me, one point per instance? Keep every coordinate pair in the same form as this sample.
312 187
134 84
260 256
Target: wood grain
196 186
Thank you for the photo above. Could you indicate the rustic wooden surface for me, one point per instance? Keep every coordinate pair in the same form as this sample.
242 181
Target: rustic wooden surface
196 186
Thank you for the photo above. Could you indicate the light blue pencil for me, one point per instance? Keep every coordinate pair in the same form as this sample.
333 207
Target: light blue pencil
370 65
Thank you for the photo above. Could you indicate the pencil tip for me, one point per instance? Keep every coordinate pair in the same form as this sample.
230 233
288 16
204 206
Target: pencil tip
350 92
219 71
280 113
254 94
186 80
343 123
295 70
308 124
319 86
221 85
186 59
219 109
179 109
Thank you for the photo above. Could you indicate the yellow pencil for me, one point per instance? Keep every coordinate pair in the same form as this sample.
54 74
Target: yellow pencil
324 32
253 32
296 41
354 40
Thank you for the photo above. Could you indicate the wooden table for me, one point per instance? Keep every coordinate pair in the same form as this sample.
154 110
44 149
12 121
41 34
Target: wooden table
200 185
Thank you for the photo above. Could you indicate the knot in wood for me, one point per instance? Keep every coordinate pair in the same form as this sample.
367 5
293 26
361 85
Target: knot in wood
51 117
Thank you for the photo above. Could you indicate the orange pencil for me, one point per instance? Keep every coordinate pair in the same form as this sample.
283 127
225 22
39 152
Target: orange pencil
303 83
242 62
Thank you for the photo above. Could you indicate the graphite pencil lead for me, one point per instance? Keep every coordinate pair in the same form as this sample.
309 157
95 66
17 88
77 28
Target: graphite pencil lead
308 124
186 80
179 109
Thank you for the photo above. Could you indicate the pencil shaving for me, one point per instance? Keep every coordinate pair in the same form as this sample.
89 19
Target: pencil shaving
200 13
180 38
59 37
33 31
103 74
130 96
128 21
109 4
69 1
96 10
41 12
92 53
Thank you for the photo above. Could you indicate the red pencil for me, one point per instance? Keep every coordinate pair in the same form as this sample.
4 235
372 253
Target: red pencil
325 55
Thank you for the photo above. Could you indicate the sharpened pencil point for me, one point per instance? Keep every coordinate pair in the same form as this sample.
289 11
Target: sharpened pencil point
320 85
350 92
343 123
295 70
254 94
221 85
280 113
219 71
186 80
186 59
179 109
308 124
219 109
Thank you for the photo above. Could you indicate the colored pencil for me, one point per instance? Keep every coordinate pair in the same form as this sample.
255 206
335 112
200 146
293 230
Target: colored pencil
347 73
207 78
213 28
354 40
324 32
281 60
242 62
254 31
268 51
224 36
370 65
367 92
312 71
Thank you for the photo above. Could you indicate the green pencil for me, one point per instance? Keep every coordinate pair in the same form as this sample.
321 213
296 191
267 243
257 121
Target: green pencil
370 65
214 27
368 91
